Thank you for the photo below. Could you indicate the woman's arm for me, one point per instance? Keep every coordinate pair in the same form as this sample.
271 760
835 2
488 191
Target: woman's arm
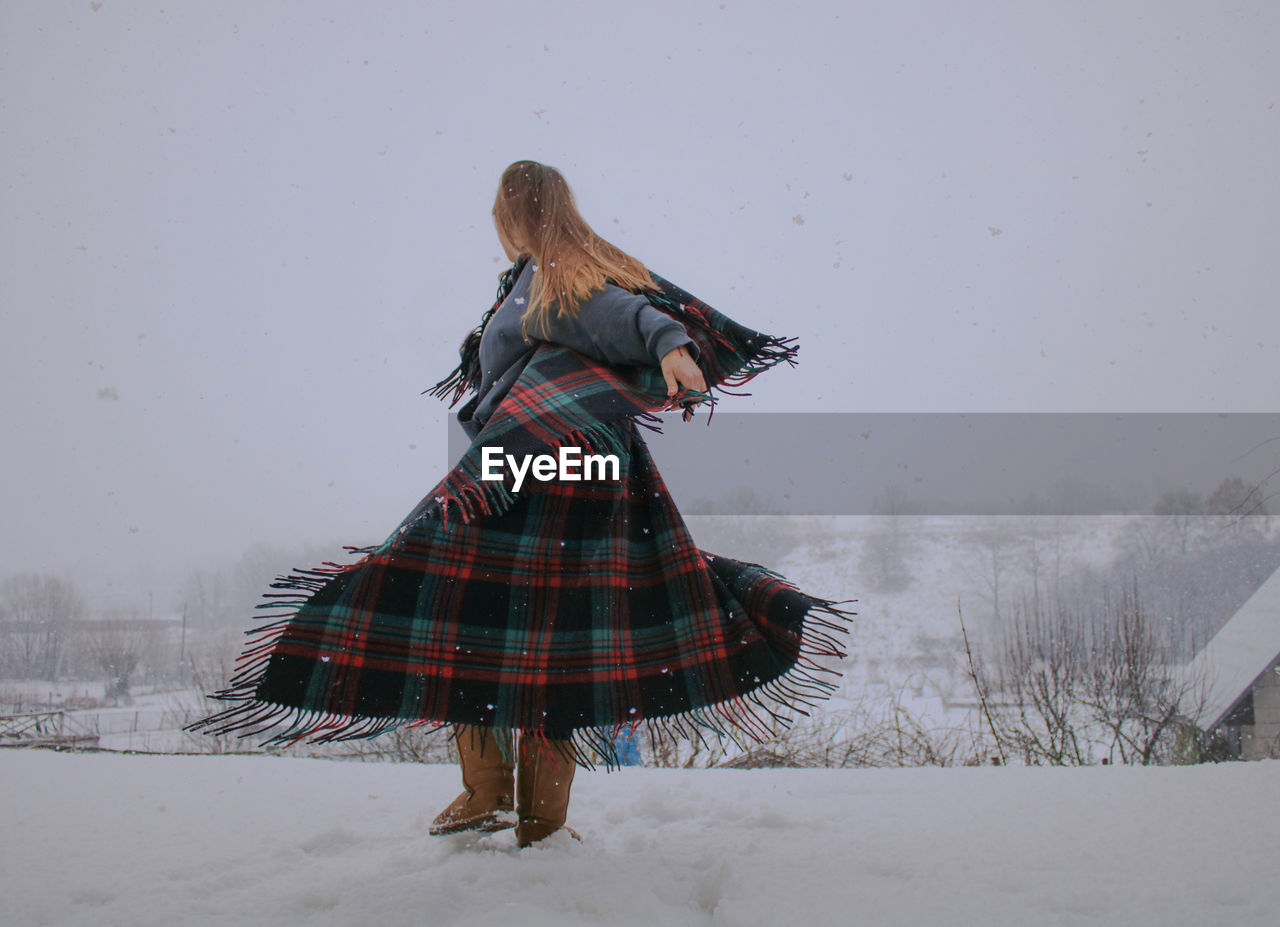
618 327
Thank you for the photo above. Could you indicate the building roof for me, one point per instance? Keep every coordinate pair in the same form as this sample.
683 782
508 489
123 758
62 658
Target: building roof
1240 652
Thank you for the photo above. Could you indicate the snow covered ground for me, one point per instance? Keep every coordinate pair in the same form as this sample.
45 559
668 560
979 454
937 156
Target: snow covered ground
109 839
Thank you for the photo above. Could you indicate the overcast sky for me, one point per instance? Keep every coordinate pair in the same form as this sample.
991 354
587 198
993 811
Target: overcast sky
241 237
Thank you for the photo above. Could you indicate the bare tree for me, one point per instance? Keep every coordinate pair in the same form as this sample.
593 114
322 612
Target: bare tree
228 596
1193 592
1071 686
992 558
38 611
1148 539
1237 507
1038 677
119 645
1135 689
208 601
1046 555
1183 511
887 546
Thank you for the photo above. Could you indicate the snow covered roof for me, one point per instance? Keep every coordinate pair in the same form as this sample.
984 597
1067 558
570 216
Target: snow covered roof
1240 652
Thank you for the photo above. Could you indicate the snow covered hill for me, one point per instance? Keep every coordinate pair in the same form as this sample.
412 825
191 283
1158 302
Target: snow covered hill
109 839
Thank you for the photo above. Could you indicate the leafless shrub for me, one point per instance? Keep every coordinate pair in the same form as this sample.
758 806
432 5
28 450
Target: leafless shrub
1182 513
887 548
208 666
689 748
992 557
119 646
36 614
1237 506
1072 686
406 744
1133 689
1039 681
872 731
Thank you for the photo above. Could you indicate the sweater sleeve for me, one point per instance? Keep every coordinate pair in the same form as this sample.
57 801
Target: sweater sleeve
617 327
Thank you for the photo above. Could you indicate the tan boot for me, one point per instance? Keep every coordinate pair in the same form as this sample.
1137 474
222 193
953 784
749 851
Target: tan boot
543 779
489 781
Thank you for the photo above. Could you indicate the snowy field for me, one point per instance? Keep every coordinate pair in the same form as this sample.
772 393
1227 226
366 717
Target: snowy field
103 840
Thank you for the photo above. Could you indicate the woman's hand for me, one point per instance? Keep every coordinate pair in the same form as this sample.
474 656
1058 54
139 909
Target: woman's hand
682 372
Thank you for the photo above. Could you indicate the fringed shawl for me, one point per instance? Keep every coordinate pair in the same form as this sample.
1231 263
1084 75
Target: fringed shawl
584 610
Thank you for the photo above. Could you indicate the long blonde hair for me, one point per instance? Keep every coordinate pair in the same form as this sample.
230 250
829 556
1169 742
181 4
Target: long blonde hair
536 212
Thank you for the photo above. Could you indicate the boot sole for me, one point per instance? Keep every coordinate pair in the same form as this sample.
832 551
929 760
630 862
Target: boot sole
485 824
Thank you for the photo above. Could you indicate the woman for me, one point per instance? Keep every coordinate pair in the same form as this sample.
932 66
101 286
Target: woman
562 609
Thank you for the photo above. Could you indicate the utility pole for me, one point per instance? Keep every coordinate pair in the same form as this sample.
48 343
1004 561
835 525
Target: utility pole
182 644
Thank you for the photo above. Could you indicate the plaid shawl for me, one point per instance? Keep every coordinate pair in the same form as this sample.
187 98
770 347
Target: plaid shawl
568 610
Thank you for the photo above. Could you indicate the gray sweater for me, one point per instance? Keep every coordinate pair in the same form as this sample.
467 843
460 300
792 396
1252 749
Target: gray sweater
612 325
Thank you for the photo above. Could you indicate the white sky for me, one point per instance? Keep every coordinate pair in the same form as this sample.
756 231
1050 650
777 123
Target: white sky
240 238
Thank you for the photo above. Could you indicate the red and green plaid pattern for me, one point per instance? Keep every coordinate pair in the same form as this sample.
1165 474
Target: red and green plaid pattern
569 609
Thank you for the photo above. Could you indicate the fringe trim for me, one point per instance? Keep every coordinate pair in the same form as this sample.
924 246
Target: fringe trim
754 717
752 352
466 376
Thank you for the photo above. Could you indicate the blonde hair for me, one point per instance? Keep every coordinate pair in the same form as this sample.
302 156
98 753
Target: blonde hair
536 212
